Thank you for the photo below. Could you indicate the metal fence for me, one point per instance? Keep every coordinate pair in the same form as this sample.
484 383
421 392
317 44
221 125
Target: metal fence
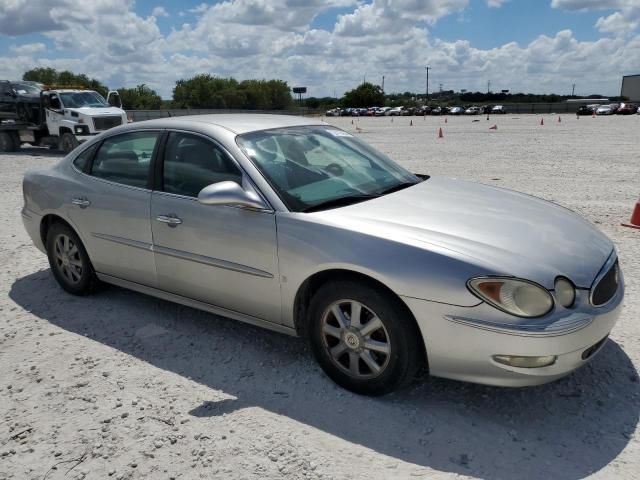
139 115
517 108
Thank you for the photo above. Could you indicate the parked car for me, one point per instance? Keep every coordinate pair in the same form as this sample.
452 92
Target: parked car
334 112
394 112
382 111
627 109
456 110
605 110
584 110
498 109
436 111
297 226
20 100
472 111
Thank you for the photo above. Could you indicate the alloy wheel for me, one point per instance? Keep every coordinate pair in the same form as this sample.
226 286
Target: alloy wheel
356 339
67 259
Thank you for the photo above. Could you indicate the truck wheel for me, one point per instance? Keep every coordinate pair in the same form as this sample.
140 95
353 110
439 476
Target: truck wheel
67 142
16 141
6 142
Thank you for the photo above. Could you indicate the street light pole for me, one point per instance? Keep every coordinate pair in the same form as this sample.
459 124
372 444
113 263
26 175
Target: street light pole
427 68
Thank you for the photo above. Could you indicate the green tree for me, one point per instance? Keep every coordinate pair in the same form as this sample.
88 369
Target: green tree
140 98
365 95
207 91
50 76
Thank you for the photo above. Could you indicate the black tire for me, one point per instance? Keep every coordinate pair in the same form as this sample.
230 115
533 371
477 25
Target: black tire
67 142
75 273
400 332
7 143
16 142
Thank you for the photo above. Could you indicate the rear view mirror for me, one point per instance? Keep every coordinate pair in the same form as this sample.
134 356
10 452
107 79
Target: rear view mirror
229 193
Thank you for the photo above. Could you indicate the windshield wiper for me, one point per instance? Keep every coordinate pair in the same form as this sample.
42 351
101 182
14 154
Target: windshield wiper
395 188
338 202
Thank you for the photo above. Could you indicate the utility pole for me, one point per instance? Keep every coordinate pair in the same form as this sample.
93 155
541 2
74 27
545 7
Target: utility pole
488 86
427 68
382 83
573 90
441 88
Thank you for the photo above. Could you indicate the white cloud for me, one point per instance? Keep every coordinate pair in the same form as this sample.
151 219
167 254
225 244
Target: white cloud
496 3
159 12
28 48
273 39
588 4
623 21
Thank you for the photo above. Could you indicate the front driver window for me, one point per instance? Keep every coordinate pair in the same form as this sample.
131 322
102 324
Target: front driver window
126 158
192 163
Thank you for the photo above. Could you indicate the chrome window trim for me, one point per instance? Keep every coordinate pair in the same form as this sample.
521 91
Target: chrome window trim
177 196
603 271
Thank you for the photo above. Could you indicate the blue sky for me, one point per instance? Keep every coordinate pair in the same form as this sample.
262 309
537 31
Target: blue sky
524 45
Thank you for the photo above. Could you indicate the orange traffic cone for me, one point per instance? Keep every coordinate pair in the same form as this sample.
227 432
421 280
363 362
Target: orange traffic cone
493 127
440 135
352 121
593 114
411 123
635 217
559 119
542 121
445 119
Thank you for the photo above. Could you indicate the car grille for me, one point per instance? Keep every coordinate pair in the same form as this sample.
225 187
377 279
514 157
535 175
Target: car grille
105 123
606 286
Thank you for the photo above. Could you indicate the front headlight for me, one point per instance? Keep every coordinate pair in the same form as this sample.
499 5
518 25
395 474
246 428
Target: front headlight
521 298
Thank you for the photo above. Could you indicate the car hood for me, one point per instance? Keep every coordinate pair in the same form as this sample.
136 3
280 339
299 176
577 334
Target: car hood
502 231
96 111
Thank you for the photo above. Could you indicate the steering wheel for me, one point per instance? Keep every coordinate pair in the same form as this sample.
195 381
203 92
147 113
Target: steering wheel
335 169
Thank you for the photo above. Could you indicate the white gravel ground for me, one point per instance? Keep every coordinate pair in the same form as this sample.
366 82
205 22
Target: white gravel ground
121 385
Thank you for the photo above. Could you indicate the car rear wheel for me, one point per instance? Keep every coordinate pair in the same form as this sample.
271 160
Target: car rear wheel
69 261
364 338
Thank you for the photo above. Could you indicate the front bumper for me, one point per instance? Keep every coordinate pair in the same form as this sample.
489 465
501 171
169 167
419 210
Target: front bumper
460 348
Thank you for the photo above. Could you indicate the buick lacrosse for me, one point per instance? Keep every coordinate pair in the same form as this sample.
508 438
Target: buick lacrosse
295 225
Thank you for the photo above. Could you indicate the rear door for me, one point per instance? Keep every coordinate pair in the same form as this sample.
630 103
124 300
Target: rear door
221 255
110 205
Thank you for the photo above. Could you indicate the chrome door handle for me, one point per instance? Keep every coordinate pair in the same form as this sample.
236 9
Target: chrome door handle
81 202
171 220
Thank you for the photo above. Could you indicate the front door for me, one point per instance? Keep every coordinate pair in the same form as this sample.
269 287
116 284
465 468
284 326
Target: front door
221 255
111 207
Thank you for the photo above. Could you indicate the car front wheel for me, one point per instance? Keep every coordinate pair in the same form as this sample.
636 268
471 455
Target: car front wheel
364 338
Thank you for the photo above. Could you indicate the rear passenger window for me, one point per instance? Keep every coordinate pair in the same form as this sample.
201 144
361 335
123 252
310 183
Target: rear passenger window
81 162
191 163
126 158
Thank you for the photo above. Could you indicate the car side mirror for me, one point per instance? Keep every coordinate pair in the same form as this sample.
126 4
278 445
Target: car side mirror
229 193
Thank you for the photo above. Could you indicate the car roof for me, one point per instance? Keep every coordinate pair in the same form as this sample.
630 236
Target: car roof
238 123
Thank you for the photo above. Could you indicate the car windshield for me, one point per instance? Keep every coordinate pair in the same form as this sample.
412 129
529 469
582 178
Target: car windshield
313 168
82 99
26 88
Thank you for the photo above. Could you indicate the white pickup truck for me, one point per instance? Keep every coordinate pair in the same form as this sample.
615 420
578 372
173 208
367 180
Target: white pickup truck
59 117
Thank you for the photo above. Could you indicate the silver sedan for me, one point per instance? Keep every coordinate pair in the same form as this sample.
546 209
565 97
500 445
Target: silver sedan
297 226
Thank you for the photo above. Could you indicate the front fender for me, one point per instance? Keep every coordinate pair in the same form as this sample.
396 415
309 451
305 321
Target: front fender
306 247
